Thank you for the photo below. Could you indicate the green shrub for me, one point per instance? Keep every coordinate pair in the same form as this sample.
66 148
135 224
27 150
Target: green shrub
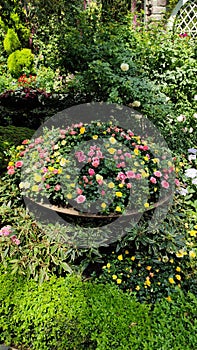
11 136
11 42
20 61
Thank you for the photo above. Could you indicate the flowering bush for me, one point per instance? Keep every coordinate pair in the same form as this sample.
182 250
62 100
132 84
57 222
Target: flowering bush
7 232
72 168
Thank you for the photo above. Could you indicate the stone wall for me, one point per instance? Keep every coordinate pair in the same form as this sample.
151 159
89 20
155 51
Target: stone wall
155 9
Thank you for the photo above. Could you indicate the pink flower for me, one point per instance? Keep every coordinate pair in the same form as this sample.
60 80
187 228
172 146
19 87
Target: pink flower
22 153
91 153
44 170
122 157
25 142
6 230
129 185
73 132
153 180
91 172
121 165
55 171
11 170
95 162
128 155
165 184
138 176
80 156
145 148
102 192
57 187
15 240
121 176
85 179
80 199
177 183
47 186
166 176
19 164
99 154
130 174
38 140
100 182
79 190
157 173
119 151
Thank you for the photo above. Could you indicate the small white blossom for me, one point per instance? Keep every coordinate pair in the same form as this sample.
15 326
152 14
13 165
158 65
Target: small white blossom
195 115
191 157
183 191
195 97
192 173
194 181
191 130
124 67
181 118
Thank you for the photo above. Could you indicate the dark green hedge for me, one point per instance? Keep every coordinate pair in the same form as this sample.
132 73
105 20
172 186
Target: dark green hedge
67 313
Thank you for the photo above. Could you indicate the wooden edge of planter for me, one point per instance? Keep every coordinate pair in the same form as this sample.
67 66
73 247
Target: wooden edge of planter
73 212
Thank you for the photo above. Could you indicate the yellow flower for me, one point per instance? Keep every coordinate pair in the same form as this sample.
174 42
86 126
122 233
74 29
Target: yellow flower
111 150
169 298
112 140
69 196
67 176
137 287
108 265
181 253
35 188
118 194
119 281
37 177
178 277
63 161
103 205
51 168
120 257
114 277
171 280
195 227
111 185
126 252
63 142
155 160
136 151
133 258
171 261
121 185
144 174
148 268
95 137
147 282
186 225
59 171
146 205
178 269
72 185
146 158
99 177
10 163
193 233
118 209
192 254
82 130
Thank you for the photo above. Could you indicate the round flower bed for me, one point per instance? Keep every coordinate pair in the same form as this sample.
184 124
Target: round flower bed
94 168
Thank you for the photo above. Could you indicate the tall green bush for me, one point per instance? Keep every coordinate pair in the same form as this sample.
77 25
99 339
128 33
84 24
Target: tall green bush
11 42
21 61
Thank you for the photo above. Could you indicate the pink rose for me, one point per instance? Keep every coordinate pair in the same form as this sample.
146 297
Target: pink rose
11 170
80 199
128 155
25 142
6 230
138 176
55 171
165 184
73 132
95 162
15 240
102 192
177 183
19 164
153 180
57 187
145 148
130 174
121 176
47 186
129 185
91 172
79 190
157 173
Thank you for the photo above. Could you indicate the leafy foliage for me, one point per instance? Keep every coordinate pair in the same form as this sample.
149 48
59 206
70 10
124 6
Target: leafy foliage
20 61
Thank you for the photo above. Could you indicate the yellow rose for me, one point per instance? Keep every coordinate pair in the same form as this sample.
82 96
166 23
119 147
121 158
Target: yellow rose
82 130
118 194
95 137
111 185
111 150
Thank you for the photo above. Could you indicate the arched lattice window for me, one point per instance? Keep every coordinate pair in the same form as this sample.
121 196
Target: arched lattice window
184 18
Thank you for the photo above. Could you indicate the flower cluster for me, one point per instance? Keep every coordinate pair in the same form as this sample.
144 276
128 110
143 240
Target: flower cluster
25 81
93 167
7 231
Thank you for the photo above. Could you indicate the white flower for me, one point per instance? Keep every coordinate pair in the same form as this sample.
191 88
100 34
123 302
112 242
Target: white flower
181 118
136 104
191 130
183 191
192 173
195 97
194 181
195 115
124 67
191 157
